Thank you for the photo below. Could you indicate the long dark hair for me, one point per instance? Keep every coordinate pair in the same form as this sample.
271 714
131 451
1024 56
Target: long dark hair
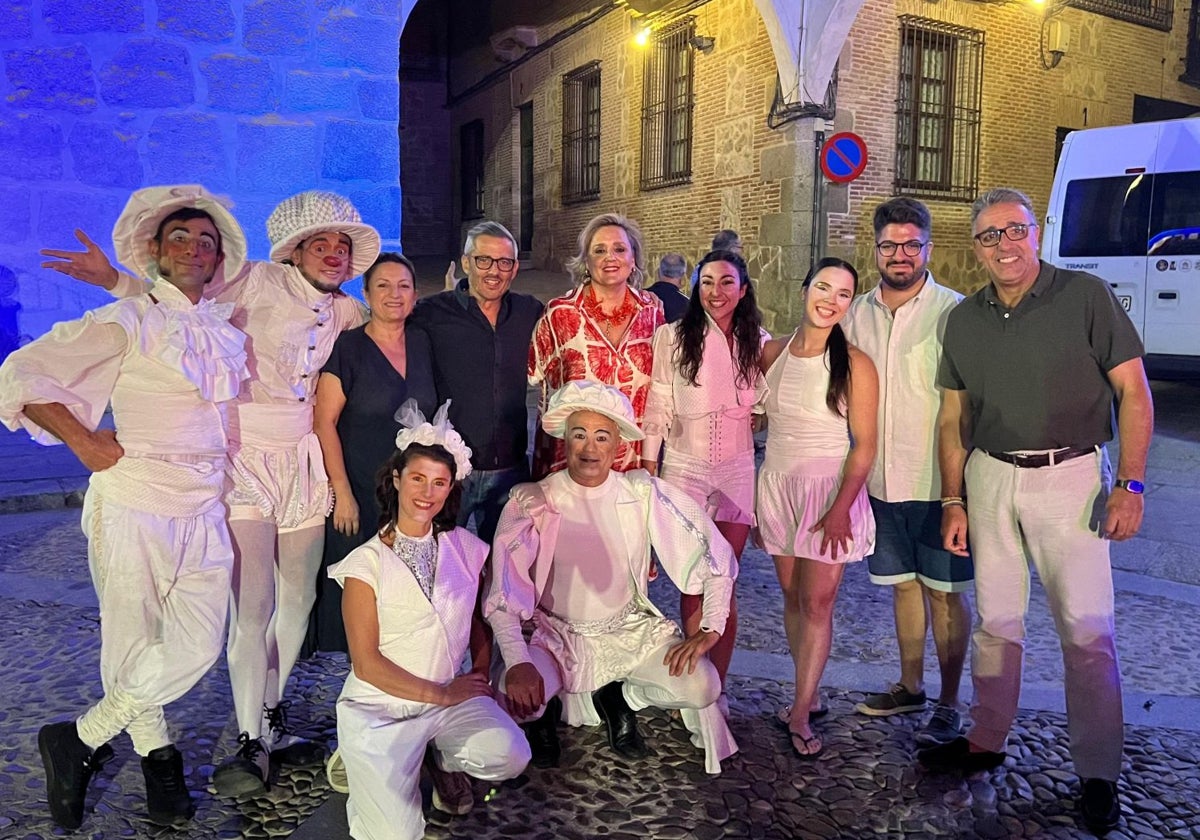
389 497
836 345
747 322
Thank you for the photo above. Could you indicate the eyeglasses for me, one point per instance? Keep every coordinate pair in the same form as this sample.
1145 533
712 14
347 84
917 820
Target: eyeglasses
503 263
911 248
990 238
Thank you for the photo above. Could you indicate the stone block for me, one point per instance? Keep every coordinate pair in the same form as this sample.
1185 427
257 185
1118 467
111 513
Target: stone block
380 207
71 16
275 27
60 78
187 148
105 154
15 213
356 150
61 211
305 90
345 39
31 146
252 215
778 162
148 73
15 19
238 83
380 100
197 20
276 157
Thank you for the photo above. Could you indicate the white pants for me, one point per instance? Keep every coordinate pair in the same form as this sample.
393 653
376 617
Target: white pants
649 683
1052 516
162 584
272 593
383 756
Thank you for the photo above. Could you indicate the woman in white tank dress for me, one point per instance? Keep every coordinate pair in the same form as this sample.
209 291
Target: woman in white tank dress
813 513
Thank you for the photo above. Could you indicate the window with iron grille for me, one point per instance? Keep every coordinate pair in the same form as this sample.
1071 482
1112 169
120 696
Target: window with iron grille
1191 71
581 134
667 104
937 111
1157 14
471 158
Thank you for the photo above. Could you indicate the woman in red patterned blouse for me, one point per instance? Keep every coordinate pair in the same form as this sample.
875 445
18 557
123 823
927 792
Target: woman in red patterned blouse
601 331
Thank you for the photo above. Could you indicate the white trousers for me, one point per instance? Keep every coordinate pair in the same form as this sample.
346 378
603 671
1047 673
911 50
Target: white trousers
1051 516
383 756
272 593
649 683
162 584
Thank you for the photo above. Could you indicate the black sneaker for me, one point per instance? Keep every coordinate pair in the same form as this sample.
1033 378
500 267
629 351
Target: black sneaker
167 797
957 755
945 724
1099 807
897 700
452 792
246 771
70 765
285 748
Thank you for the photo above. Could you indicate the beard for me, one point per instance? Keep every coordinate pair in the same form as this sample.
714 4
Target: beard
901 284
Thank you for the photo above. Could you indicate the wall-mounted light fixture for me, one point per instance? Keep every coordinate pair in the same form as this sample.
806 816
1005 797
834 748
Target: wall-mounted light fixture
641 33
702 43
1054 37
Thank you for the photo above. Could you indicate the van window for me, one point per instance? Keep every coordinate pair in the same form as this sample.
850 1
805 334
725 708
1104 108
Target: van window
1175 214
1106 217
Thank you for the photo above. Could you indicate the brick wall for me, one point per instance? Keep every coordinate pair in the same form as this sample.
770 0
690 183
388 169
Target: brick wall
734 86
256 99
1108 62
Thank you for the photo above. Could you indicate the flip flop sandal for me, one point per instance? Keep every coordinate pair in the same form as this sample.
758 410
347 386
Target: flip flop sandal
808 753
784 716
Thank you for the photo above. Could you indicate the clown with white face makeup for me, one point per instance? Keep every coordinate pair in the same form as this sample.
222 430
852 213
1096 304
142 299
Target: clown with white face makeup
292 310
159 547
572 553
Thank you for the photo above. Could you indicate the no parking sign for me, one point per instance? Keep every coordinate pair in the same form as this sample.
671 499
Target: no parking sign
843 157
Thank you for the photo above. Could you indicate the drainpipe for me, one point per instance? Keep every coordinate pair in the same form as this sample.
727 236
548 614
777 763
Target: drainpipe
818 191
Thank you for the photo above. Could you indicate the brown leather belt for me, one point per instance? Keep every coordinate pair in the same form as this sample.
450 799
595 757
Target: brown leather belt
1042 459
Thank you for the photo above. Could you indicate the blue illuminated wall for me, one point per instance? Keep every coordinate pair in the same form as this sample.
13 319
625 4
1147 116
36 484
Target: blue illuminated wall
256 99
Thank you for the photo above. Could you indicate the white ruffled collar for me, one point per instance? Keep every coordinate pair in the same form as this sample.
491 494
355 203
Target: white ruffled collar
195 339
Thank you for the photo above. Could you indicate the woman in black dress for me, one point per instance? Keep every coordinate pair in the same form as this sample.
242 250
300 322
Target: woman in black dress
371 371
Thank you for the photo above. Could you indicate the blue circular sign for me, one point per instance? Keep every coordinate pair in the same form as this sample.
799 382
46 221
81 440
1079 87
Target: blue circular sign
843 157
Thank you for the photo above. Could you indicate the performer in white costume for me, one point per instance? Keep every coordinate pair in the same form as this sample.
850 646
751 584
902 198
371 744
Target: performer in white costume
158 543
291 309
572 553
409 607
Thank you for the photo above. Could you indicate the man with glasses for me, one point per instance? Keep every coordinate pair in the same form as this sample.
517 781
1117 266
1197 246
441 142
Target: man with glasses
1031 366
900 325
480 334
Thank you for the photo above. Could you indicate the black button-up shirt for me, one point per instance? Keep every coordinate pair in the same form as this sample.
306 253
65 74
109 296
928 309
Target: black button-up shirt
483 370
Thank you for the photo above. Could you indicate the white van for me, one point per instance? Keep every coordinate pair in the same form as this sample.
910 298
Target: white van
1125 206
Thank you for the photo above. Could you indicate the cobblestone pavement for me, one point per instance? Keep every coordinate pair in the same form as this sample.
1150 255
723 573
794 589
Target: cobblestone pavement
865 784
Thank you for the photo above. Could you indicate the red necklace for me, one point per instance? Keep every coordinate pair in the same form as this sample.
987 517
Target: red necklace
626 310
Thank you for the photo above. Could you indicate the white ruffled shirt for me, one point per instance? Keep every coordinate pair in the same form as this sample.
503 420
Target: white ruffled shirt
167 365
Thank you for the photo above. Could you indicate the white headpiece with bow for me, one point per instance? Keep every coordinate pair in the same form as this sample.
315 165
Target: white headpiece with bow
416 429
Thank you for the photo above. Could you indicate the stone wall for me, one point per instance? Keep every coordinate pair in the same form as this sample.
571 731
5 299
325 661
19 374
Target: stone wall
256 99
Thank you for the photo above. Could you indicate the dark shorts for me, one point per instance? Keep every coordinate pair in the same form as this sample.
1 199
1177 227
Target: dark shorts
908 546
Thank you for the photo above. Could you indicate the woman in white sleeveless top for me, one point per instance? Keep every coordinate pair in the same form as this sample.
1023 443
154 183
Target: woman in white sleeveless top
813 513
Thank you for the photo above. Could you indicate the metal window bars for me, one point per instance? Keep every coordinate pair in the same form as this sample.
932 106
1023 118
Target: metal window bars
667 105
581 134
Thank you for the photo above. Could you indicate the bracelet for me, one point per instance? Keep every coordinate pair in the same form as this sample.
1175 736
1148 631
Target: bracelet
952 501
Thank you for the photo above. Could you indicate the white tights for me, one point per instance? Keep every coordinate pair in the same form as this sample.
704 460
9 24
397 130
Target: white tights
272 593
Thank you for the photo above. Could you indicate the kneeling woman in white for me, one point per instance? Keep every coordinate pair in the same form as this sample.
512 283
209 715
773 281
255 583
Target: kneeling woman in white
408 606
